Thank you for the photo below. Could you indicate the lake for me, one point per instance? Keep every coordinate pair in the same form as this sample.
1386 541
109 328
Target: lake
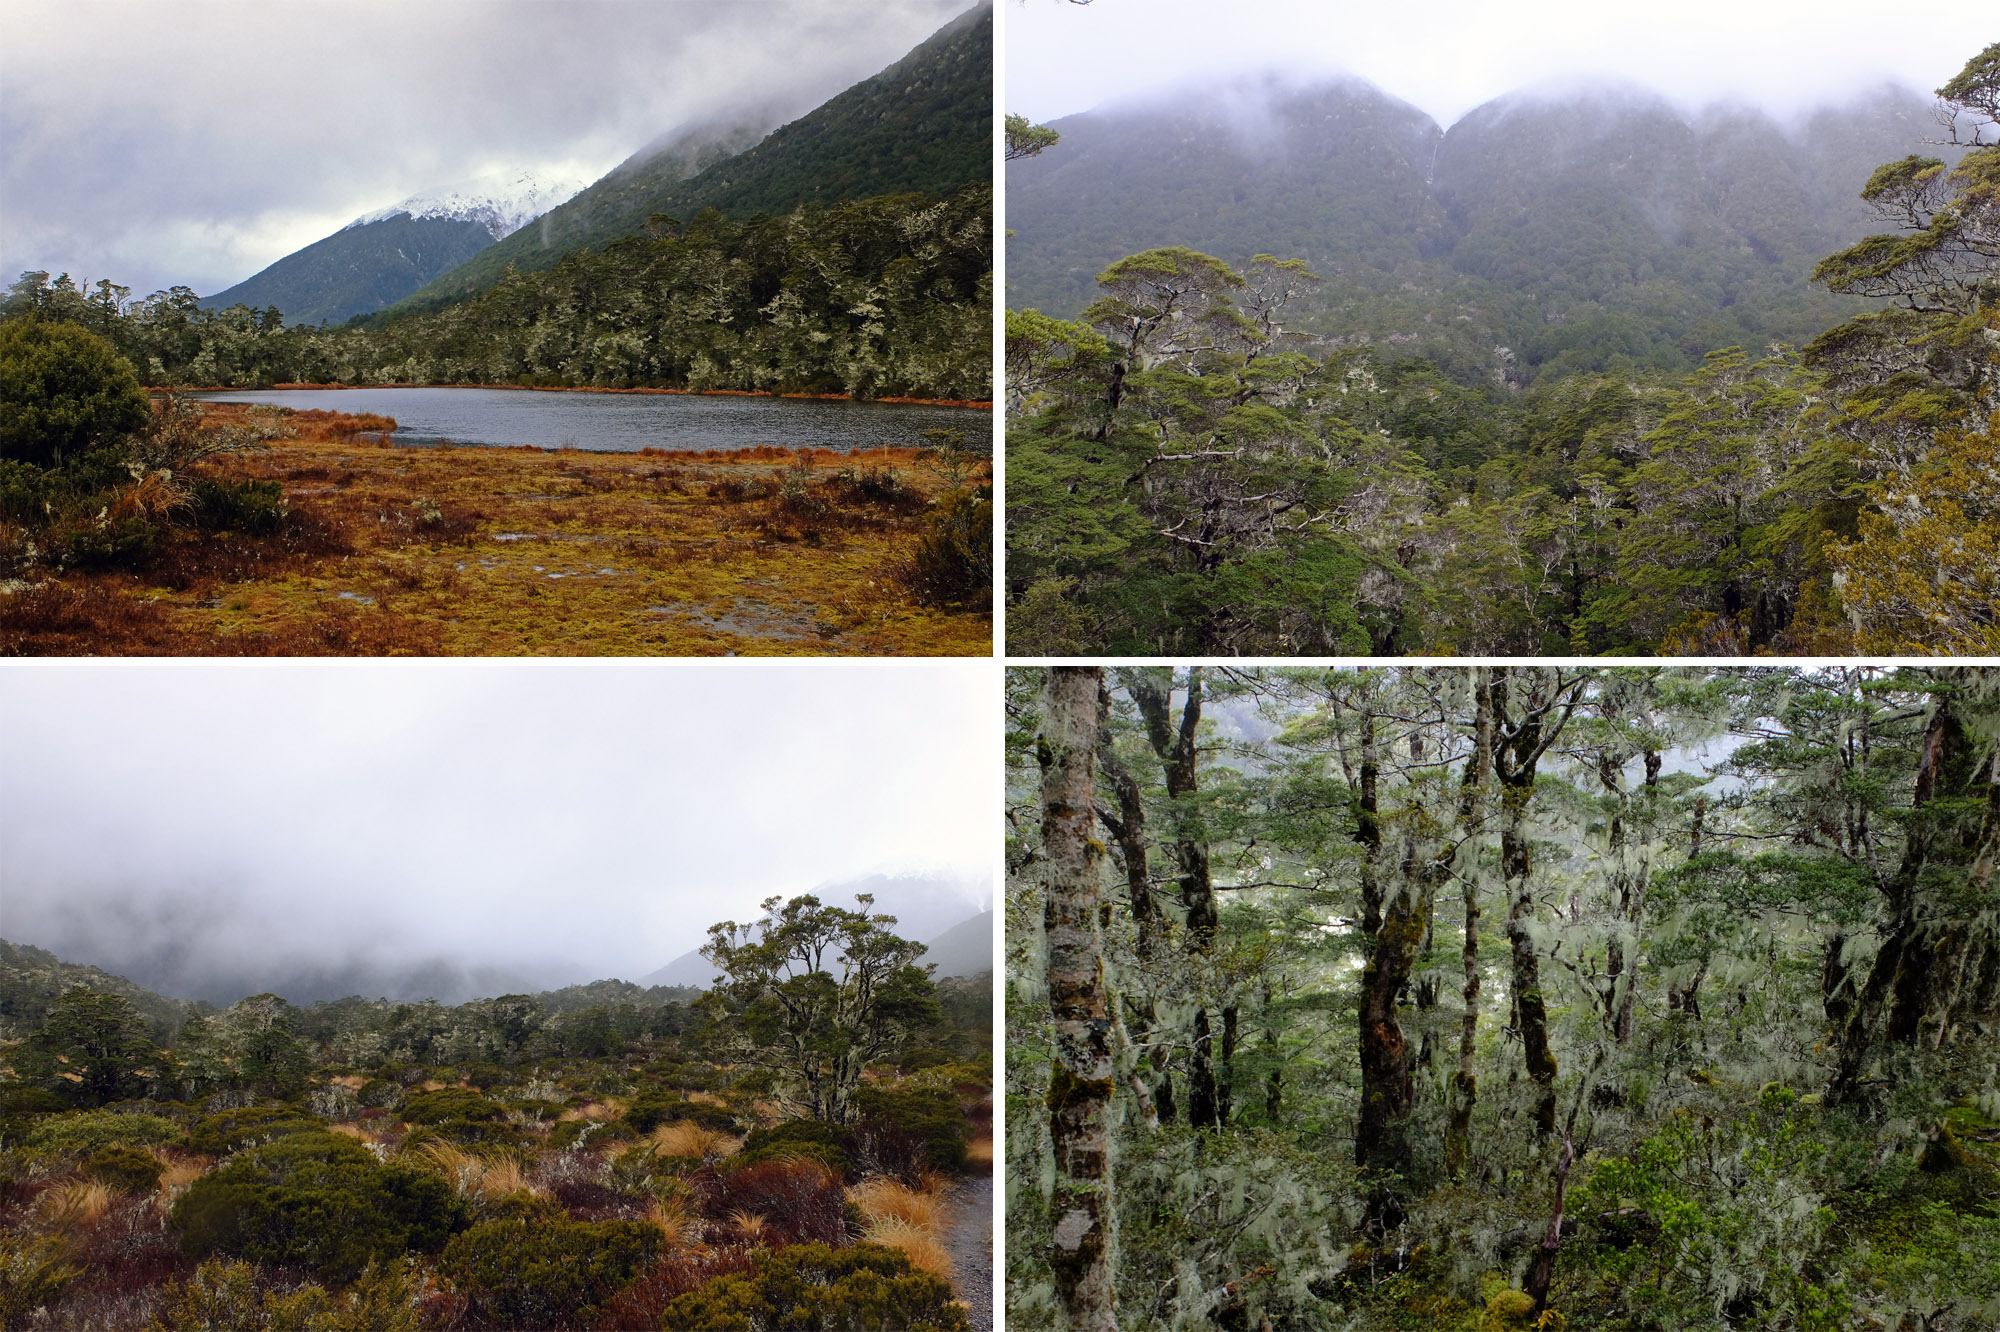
628 422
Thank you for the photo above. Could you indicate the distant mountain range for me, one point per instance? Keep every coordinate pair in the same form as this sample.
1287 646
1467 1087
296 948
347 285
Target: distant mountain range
923 125
1539 233
377 259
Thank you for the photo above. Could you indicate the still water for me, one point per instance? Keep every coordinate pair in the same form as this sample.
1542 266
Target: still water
628 422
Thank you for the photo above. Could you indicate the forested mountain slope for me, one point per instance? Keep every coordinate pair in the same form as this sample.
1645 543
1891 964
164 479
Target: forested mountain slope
31 979
1539 234
923 125
358 269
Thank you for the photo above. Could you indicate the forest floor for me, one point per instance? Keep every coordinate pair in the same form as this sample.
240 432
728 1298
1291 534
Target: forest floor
488 551
970 1243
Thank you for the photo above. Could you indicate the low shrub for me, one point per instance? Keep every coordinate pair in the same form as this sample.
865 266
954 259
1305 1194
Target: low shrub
546 1273
33 1271
809 1139
233 1130
320 1201
901 1130
449 1103
88 1130
813 1288
31 1101
801 1201
125 1168
237 506
952 565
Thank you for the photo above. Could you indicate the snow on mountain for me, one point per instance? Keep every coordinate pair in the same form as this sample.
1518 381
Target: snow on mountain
502 202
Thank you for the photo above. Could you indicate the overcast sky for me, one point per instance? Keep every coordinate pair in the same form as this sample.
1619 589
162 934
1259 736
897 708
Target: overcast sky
1448 56
195 142
603 814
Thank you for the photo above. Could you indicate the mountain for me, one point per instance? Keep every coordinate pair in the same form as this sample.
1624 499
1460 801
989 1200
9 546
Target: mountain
1542 232
381 257
31 979
966 949
923 125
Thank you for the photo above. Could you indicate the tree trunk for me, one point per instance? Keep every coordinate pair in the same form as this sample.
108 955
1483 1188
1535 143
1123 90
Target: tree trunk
1472 813
1128 829
1081 1255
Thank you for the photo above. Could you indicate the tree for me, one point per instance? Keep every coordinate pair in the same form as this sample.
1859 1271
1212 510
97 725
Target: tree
63 392
782 1007
92 1048
1027 140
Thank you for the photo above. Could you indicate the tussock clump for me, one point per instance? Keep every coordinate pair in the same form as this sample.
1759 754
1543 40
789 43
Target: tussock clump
685 1138
882 1199
472 1175
76 1202
918 1243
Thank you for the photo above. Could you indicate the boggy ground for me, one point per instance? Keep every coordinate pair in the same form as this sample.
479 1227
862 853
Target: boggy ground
482 551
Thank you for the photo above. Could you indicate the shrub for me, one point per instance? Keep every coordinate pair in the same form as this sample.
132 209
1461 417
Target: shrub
125 1168
33 1271
317 1200
448 1103
812 1288
233 1130
237 506
801 1200
903 1129
952 564
31 1101
795 1139
92 1129
653 1109
63 391
547 1273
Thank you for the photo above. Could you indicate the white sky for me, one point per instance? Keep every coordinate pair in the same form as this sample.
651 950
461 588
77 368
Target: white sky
194 142
601 813
1449 56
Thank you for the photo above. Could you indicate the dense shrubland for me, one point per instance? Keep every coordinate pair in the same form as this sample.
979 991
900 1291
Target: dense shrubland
1189 475
1487 998
591 1158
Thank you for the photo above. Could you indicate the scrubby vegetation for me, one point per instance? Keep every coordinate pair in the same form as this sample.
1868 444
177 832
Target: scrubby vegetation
590 1158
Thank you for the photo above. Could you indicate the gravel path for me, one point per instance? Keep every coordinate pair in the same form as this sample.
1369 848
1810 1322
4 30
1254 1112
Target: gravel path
970 1242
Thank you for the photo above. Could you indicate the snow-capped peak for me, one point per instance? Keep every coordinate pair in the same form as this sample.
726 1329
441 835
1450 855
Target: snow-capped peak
503 202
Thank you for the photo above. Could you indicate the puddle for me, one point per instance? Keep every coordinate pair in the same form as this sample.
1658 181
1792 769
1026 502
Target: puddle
356 596
748 618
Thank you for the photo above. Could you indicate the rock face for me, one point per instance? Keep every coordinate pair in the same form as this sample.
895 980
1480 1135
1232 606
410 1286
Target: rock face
383 256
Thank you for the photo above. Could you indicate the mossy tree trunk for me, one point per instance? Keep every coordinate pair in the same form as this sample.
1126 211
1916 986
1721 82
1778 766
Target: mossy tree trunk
1082 1252
1128 829
1472 815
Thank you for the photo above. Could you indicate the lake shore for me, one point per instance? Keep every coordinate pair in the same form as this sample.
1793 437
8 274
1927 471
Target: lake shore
971 405
477 550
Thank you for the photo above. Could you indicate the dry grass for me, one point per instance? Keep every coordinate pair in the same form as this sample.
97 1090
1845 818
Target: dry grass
750 1225
471 1174
979 1151
477 551
920 1245
673 1217
883 1199
609 1108
76 1202
351 1081
683 1137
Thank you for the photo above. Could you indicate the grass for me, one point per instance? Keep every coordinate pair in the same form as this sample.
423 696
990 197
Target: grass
486 551
881 1198
683 1137
475 1175
925 1252
76 1202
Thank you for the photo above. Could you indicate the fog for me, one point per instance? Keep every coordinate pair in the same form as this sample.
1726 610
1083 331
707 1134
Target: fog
198 142
306 826
1786 56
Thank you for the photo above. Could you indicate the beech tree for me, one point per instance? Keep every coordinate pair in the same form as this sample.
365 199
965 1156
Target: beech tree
92 1048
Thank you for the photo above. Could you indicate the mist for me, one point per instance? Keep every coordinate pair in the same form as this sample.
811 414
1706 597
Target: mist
195 144
212 829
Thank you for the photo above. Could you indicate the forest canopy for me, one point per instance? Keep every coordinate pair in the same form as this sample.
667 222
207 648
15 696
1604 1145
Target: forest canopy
1487 997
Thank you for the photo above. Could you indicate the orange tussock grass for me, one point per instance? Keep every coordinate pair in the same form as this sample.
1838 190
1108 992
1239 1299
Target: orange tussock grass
77 1202
750 1224
980 1150
672 1217
352 1081
685 1138
918 1244
883 1199
470 1173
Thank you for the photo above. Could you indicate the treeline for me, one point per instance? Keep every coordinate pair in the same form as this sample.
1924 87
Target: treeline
879 297
1504 997
1185 480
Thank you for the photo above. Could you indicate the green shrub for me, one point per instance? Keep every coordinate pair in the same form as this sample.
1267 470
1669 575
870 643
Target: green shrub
237 506
448 1103
88 1130
31 1101
568 1133
33 1271
953 561
928 1114
376 1092
468 1133
233 1130
529 1272
320 1201
654 1108
812 1288
812 1139
63 392
125 1168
